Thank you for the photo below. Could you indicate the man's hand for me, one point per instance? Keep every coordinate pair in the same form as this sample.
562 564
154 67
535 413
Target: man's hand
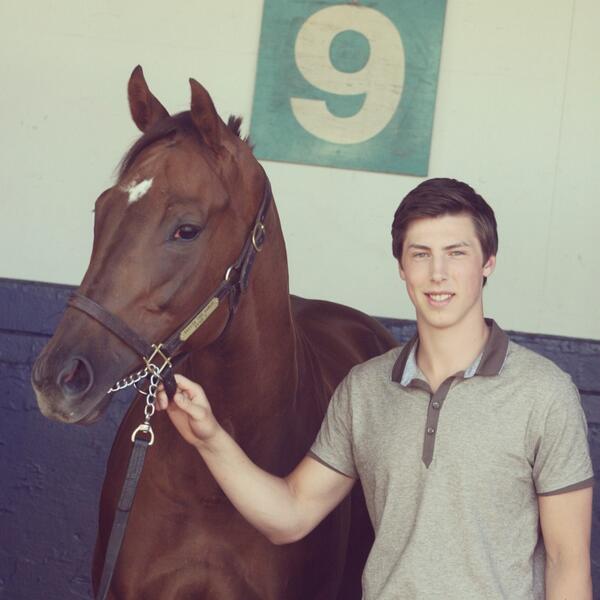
190 412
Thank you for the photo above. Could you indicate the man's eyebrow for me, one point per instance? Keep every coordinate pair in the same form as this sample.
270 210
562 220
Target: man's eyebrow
461 244
457 245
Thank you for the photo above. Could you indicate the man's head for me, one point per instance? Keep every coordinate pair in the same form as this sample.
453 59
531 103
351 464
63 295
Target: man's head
438 197
445 239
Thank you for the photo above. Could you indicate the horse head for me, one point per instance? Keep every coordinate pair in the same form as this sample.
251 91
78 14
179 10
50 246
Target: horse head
164 235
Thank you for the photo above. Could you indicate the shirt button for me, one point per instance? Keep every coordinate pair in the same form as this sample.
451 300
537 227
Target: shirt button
435 405
430 430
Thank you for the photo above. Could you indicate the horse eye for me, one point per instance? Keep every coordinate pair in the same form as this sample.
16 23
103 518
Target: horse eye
186 232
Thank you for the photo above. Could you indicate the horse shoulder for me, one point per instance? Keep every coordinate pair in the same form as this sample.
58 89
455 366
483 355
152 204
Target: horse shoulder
335 337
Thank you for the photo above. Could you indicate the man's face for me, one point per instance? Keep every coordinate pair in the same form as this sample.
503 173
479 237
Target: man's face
442 265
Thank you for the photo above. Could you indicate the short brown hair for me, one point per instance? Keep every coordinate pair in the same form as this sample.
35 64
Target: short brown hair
442 196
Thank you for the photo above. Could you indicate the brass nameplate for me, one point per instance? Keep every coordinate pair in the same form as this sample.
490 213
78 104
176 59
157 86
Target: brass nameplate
208 310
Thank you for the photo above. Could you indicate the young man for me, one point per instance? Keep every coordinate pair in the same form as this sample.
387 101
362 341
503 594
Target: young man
471 450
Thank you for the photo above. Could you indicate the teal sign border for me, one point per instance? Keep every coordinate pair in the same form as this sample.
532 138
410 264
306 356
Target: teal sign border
403 146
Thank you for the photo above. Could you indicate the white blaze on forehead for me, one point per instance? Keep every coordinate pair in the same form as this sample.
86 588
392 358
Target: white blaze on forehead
137 190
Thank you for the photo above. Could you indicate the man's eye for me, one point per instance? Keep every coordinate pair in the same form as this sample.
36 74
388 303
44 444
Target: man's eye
457 253
187 232
420 255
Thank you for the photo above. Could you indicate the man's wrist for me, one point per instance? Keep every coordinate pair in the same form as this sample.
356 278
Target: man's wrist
213 442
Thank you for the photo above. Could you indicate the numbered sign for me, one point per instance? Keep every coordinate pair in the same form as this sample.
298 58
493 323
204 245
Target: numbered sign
348 84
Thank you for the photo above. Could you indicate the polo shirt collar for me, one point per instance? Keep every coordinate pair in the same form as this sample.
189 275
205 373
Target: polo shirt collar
488 363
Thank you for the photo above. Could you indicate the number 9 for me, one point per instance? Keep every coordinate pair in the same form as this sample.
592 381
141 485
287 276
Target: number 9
381 79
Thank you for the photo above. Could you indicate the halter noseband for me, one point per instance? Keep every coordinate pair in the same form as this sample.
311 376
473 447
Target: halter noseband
233 285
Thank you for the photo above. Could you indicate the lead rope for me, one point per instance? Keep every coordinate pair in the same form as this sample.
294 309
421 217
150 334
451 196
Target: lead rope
142 438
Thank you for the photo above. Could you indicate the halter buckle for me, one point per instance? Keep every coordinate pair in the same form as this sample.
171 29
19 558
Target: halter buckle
158 369
258 236
229 271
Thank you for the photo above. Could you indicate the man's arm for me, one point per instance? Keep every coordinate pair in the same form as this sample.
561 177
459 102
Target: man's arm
566 521
283 509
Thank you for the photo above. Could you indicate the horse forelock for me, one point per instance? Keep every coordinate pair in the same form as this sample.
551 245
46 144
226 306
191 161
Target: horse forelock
180 123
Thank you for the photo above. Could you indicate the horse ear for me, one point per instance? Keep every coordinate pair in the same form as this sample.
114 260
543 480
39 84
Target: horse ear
204 115
145 108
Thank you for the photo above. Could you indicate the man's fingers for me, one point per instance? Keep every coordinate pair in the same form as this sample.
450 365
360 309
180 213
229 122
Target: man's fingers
162 399
187 390
184 403
187 385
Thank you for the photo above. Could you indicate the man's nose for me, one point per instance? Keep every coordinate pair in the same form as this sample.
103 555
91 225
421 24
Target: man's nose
438 269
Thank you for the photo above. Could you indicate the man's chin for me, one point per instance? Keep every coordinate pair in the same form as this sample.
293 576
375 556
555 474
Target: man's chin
437 319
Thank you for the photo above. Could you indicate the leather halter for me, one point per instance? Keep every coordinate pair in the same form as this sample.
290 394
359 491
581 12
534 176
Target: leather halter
232 286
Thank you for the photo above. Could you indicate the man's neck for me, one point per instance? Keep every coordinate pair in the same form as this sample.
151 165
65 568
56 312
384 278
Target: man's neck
444 352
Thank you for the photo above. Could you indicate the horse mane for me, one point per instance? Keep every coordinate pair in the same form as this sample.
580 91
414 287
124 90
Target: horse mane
234 124
179 123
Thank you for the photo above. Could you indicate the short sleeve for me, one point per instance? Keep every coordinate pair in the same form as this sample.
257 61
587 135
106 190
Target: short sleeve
561 453
333 444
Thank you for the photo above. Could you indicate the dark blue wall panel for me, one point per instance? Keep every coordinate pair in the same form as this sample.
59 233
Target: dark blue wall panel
51 474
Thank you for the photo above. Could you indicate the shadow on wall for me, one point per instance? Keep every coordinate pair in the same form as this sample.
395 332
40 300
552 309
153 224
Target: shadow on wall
52 474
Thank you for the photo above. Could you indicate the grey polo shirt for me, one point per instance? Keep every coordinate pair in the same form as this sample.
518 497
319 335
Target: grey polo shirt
451 479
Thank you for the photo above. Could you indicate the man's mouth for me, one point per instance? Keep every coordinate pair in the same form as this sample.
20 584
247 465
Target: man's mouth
439 298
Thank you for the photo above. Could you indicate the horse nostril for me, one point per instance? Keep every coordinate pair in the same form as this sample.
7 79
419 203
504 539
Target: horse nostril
76 378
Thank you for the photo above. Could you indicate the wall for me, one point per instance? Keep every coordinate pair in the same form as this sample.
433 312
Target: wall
516 116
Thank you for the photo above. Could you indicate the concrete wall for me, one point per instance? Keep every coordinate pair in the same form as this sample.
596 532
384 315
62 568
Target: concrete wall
516 116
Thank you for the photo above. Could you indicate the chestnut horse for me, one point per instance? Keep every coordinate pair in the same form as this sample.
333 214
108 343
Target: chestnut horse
183 206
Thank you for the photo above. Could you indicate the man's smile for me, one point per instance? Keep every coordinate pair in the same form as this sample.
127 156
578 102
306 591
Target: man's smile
439 298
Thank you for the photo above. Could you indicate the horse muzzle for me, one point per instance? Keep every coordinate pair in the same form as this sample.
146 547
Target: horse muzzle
65 389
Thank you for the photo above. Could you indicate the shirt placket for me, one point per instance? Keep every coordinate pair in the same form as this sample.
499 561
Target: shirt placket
436 401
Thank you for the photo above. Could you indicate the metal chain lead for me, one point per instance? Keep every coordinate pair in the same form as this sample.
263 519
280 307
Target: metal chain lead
149 409
150 396
129 381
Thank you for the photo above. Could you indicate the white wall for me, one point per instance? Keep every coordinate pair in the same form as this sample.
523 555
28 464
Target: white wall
517 117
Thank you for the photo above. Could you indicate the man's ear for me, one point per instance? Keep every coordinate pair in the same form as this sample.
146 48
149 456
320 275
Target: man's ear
489 266
401 270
